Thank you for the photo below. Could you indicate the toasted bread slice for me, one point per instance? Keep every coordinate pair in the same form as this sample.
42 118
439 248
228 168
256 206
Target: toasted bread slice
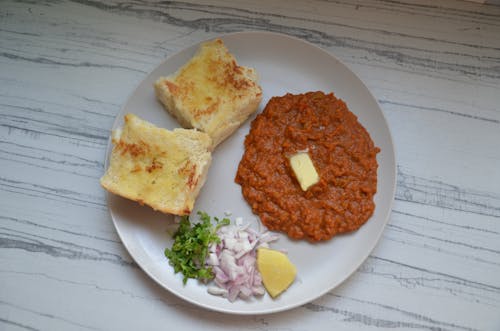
157 167
211 92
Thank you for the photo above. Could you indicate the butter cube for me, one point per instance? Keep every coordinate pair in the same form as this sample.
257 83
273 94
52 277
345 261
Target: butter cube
304 170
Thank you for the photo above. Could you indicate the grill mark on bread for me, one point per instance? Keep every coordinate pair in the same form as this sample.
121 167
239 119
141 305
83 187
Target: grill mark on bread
137 168
188 170
192 178
174 89
135 150
199 113
155 164
234 77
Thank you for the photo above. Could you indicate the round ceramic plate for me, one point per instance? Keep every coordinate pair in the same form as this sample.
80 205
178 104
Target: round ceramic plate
284 64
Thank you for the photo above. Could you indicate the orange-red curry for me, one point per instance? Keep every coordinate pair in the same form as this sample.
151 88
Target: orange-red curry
341 150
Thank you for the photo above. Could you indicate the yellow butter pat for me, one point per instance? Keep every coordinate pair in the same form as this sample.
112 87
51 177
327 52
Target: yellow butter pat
304 170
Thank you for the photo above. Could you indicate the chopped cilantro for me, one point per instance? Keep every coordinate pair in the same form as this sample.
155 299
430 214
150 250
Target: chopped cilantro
190 249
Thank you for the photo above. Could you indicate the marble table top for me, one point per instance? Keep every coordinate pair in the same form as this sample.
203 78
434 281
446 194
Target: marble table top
67 68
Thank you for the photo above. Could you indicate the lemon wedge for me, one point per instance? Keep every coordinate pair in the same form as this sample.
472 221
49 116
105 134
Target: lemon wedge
277 272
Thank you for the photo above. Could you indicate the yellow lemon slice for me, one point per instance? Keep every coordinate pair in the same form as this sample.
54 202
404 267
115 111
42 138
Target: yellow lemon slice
277 272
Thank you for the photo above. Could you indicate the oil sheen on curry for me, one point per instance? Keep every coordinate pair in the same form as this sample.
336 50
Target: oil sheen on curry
341 151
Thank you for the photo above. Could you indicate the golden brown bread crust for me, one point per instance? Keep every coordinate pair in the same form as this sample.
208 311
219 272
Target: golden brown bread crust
157 167
211 92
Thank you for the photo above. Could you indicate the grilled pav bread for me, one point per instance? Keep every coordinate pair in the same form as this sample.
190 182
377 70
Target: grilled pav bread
157 167
211 92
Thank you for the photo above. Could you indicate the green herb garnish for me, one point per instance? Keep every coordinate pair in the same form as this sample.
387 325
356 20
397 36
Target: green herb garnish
190 249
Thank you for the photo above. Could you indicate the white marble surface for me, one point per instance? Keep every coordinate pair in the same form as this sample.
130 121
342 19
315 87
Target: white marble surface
67 67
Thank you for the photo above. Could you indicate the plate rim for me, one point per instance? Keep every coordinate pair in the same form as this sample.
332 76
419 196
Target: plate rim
284 307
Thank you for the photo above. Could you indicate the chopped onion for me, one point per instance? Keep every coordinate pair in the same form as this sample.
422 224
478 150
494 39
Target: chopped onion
233 261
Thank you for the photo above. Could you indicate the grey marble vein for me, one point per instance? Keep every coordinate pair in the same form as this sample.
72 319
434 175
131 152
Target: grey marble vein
66 69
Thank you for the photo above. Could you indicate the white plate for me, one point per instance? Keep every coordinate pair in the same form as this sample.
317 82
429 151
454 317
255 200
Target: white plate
284 64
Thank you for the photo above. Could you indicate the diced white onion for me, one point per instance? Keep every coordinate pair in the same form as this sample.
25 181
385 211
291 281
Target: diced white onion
233 261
